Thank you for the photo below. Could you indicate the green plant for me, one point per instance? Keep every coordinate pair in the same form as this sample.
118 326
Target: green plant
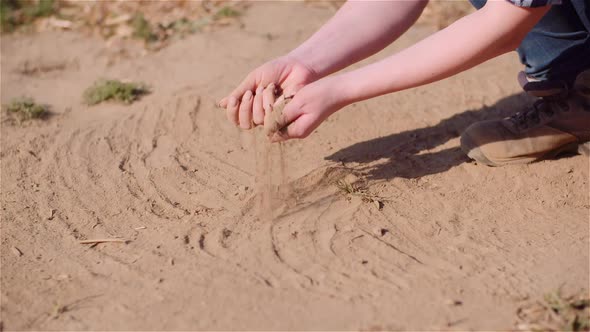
14 13
104 90
25 108
142 29
226 12
185 26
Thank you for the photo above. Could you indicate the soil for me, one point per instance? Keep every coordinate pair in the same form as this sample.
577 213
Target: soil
452 245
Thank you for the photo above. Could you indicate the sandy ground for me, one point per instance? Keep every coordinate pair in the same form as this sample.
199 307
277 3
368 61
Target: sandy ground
170 174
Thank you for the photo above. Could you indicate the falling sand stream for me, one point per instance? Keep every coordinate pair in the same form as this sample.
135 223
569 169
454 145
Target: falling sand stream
271 164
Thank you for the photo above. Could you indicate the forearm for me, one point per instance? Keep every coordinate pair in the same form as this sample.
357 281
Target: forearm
496 29
358 30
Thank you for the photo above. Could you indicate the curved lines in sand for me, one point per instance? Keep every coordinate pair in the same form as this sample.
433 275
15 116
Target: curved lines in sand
312 244
106 174
221 245
202 243
100 185
401 236
206 164
280 257
166 194
165 179
75 188
217 246
185 121
380 269
177 165
324 236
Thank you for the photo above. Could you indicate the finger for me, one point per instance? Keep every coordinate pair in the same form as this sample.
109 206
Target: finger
222 103
275 121
249 83
291 90
268 100
300 128
257 110
245 113
232 110
291 112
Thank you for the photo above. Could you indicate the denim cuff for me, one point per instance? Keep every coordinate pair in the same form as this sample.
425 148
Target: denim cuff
534 3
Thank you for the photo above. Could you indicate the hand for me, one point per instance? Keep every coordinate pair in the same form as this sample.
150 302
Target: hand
313 104
244 106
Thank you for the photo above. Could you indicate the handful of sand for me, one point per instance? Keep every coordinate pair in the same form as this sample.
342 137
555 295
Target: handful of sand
274 121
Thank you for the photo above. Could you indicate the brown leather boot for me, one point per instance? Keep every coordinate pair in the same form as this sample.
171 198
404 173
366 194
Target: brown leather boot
558 122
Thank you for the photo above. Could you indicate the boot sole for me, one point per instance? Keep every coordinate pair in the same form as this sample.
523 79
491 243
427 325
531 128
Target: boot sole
584 149
568 148
474 152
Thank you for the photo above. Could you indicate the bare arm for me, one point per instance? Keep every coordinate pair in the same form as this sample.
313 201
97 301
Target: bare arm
358 30
494 30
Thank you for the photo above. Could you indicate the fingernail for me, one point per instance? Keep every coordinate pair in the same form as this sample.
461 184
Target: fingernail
259 90
248 95
233 101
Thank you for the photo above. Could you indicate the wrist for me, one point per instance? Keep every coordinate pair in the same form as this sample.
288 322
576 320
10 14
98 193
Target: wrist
333 90
303 59
345 89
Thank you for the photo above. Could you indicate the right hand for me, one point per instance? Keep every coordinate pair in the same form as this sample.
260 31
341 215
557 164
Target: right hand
245 105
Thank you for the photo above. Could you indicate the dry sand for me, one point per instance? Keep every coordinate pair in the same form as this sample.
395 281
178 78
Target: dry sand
170 174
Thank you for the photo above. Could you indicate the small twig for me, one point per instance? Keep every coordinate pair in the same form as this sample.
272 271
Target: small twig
16 251
140 227
96 241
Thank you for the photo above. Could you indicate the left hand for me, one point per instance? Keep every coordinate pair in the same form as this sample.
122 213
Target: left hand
310 106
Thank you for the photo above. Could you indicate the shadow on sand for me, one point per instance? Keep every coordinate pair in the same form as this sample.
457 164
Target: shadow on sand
406 154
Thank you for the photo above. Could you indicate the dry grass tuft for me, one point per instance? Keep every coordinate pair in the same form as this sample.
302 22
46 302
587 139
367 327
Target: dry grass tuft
25 108
356 190
156 23
556 312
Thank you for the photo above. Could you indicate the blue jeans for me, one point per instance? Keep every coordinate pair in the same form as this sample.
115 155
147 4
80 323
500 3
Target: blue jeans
558 47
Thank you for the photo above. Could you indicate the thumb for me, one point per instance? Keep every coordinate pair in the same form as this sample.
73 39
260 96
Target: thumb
292 124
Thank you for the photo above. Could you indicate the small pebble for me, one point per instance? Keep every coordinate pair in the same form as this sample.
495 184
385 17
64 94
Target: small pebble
454 302
63 276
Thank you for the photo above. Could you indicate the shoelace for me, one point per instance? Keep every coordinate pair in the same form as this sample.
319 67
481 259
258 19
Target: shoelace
542 111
